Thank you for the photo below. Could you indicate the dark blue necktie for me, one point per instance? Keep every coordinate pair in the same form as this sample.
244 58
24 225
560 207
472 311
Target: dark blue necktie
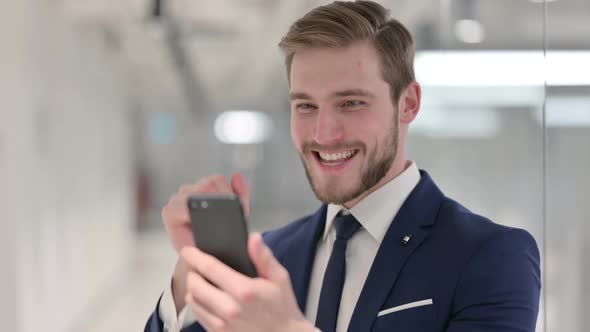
329 303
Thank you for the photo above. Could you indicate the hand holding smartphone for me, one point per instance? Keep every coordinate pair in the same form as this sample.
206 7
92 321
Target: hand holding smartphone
219 229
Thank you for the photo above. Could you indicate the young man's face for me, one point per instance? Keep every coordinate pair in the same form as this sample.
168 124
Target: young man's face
343 122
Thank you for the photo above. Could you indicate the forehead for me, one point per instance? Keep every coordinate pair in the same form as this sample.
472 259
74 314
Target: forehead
323 70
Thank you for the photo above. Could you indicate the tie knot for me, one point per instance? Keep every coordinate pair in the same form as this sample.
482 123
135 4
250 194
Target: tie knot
346 226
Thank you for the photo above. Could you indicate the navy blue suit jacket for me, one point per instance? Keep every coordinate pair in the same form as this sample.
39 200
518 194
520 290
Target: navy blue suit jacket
480 276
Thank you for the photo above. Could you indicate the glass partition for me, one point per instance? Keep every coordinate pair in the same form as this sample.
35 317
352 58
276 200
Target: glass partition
567 151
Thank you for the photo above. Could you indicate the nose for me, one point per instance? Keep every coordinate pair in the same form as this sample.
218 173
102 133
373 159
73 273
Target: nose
328 128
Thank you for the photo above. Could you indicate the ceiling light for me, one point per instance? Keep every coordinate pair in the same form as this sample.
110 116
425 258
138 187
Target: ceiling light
541 1
503 68
469 31
242 127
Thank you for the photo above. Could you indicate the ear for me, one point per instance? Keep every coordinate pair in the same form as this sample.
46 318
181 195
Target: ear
409 103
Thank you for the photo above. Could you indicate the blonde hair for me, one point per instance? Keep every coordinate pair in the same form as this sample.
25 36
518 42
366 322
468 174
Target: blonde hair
342 23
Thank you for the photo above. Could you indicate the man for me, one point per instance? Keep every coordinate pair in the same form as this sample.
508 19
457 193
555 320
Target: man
387 251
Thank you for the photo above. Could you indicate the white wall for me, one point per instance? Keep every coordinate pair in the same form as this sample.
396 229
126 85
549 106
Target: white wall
65 165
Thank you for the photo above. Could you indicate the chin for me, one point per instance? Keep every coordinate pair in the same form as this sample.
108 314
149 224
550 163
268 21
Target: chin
334 194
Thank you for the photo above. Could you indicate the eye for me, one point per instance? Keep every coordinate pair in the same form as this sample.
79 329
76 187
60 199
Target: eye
304 107
354 104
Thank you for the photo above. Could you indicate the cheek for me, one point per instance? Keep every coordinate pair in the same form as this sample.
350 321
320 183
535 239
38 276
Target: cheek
300 130
373 135
297 134
367 128
379 124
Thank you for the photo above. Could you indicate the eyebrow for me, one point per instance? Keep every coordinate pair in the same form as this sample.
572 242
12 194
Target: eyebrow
299 95
353 92
343 93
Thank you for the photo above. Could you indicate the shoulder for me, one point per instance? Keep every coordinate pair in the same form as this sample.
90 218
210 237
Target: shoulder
496 267
472 247
484 252
473 231
276 237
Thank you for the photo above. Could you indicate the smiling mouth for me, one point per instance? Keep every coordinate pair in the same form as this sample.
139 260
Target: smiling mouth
334 158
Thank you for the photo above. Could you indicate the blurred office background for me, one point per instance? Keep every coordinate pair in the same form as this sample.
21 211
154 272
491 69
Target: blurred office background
109 106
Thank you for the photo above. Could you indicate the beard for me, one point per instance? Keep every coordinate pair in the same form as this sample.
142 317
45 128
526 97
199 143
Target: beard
378 163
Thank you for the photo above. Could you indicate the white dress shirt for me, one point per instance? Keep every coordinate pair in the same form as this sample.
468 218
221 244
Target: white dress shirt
375 213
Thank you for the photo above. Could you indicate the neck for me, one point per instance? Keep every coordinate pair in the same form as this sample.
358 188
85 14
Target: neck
398 167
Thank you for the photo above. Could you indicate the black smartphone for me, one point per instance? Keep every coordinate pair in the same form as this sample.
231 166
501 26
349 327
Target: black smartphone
219 229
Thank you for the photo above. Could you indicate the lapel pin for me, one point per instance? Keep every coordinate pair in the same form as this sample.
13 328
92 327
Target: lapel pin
406 239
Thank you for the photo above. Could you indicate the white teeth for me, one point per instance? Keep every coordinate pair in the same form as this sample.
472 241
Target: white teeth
336 156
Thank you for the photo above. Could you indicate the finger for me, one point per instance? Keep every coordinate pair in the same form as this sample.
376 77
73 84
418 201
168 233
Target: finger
198 186
214 179
215 271
206 184
208 320
241 188
177 206
184 239
177 210
222 186
265 262
210 297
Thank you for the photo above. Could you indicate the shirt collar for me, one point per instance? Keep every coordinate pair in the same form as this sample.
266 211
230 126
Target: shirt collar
376 211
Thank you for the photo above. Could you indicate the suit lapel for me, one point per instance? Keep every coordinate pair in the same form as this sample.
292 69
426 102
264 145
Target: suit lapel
300 254
414 218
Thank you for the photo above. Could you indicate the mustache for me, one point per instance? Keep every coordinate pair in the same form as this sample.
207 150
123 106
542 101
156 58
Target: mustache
311 146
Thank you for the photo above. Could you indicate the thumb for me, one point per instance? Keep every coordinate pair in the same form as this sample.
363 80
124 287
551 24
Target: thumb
265 262
241 188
